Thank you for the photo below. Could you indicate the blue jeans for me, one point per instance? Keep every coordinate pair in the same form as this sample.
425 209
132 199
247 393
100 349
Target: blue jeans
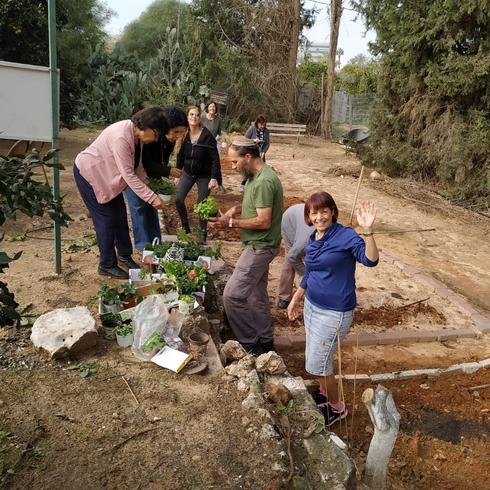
186 183
144 219
110 223
323 329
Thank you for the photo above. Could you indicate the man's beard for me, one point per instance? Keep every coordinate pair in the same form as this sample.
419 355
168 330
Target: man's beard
246 173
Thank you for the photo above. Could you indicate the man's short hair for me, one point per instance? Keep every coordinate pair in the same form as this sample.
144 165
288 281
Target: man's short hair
244 145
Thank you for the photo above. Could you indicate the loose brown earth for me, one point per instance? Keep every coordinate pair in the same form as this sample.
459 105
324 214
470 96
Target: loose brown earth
187 432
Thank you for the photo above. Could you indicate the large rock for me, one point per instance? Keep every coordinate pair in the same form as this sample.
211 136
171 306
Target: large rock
64 331
233 350
270 363
278 393
241 368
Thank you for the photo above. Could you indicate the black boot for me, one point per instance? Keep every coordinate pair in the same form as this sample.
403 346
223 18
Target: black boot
115 272
128 262
267 345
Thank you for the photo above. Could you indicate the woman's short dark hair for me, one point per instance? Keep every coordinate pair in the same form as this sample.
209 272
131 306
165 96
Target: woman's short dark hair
320 200
151 118
175 116
215 105
260 120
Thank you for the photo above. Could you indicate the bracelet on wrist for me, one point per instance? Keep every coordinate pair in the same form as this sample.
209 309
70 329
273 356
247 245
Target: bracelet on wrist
367 234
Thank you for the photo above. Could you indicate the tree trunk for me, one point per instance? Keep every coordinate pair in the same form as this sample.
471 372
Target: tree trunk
335 15
386 421
293 55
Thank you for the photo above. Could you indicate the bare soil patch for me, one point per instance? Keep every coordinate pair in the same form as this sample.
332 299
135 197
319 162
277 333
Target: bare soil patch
63 431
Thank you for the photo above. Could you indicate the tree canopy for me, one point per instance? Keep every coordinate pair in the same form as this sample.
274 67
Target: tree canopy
432 117
24 39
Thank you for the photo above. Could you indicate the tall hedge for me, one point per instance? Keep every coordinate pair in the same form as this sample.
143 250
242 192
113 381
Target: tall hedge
432 116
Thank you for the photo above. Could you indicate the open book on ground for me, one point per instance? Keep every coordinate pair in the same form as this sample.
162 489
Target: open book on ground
172 359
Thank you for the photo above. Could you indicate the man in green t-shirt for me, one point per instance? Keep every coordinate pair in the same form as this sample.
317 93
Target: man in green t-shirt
245 296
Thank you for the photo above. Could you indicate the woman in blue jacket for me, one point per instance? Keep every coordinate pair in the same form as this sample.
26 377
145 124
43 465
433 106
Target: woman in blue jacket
329 289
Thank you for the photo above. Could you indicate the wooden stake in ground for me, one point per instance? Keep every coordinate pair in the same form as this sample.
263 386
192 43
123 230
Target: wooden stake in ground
356 196
386 421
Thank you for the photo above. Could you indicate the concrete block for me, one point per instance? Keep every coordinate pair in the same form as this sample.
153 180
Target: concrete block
454 369
282 342
361 339
388 338
378 378
482 322
468 367
427 336
485 362
467 333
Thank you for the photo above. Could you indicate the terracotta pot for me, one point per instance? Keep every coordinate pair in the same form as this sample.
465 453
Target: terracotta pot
198 344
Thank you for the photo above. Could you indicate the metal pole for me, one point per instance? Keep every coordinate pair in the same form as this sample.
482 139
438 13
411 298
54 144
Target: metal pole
53 70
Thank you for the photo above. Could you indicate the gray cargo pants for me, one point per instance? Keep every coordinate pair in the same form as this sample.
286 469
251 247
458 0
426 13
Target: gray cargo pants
245 297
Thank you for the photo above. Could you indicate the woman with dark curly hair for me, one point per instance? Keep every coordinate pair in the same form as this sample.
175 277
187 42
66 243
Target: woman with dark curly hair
155 159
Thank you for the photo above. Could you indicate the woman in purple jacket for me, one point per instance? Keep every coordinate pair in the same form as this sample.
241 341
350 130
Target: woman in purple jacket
329 289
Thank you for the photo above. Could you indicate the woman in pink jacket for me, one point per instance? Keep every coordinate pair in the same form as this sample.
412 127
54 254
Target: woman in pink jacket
103 170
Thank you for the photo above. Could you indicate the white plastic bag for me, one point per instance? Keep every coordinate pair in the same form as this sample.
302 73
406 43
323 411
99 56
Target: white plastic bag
150 319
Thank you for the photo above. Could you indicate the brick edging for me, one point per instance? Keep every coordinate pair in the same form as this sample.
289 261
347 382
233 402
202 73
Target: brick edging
385 338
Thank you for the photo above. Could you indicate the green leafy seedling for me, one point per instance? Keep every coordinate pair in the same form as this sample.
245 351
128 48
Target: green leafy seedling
85 369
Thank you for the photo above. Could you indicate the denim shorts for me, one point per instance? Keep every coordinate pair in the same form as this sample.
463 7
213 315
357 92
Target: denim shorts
321 336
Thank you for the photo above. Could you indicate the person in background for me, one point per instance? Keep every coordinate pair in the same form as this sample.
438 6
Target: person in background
259 133
329 289
245 295
199 161
295 235
155 159
211 120
103 170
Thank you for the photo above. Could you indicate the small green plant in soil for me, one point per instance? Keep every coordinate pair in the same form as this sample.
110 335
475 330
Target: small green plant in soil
207 208
86 369
108 295
187 299
124 330
162 186
154 341
161 249
142 274
110 319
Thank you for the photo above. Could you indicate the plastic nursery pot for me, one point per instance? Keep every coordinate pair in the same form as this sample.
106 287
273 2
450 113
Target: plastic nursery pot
116 308
185 307
198 343
129 303
125 341
165 198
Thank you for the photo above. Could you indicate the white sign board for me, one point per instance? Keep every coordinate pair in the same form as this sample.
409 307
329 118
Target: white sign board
25 102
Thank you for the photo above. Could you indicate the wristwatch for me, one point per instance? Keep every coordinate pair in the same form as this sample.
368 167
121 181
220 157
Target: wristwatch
230 223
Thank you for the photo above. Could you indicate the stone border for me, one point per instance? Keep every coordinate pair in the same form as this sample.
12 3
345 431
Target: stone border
464 368
482 323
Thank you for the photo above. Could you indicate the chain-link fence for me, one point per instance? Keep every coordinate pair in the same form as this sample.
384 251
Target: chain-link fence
352 110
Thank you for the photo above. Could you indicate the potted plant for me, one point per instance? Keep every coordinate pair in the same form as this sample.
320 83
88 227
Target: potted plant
109 297
186 304
124 334
165 189
187 278
110 321
127 295
207 208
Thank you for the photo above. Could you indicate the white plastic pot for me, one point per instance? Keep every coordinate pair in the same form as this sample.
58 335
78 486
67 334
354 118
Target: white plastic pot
165 198
125 341
185 307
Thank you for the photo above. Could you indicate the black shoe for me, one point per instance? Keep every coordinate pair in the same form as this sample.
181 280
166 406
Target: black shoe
282 304
319 398
128 262
267 346
330 415
254 349
115 272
